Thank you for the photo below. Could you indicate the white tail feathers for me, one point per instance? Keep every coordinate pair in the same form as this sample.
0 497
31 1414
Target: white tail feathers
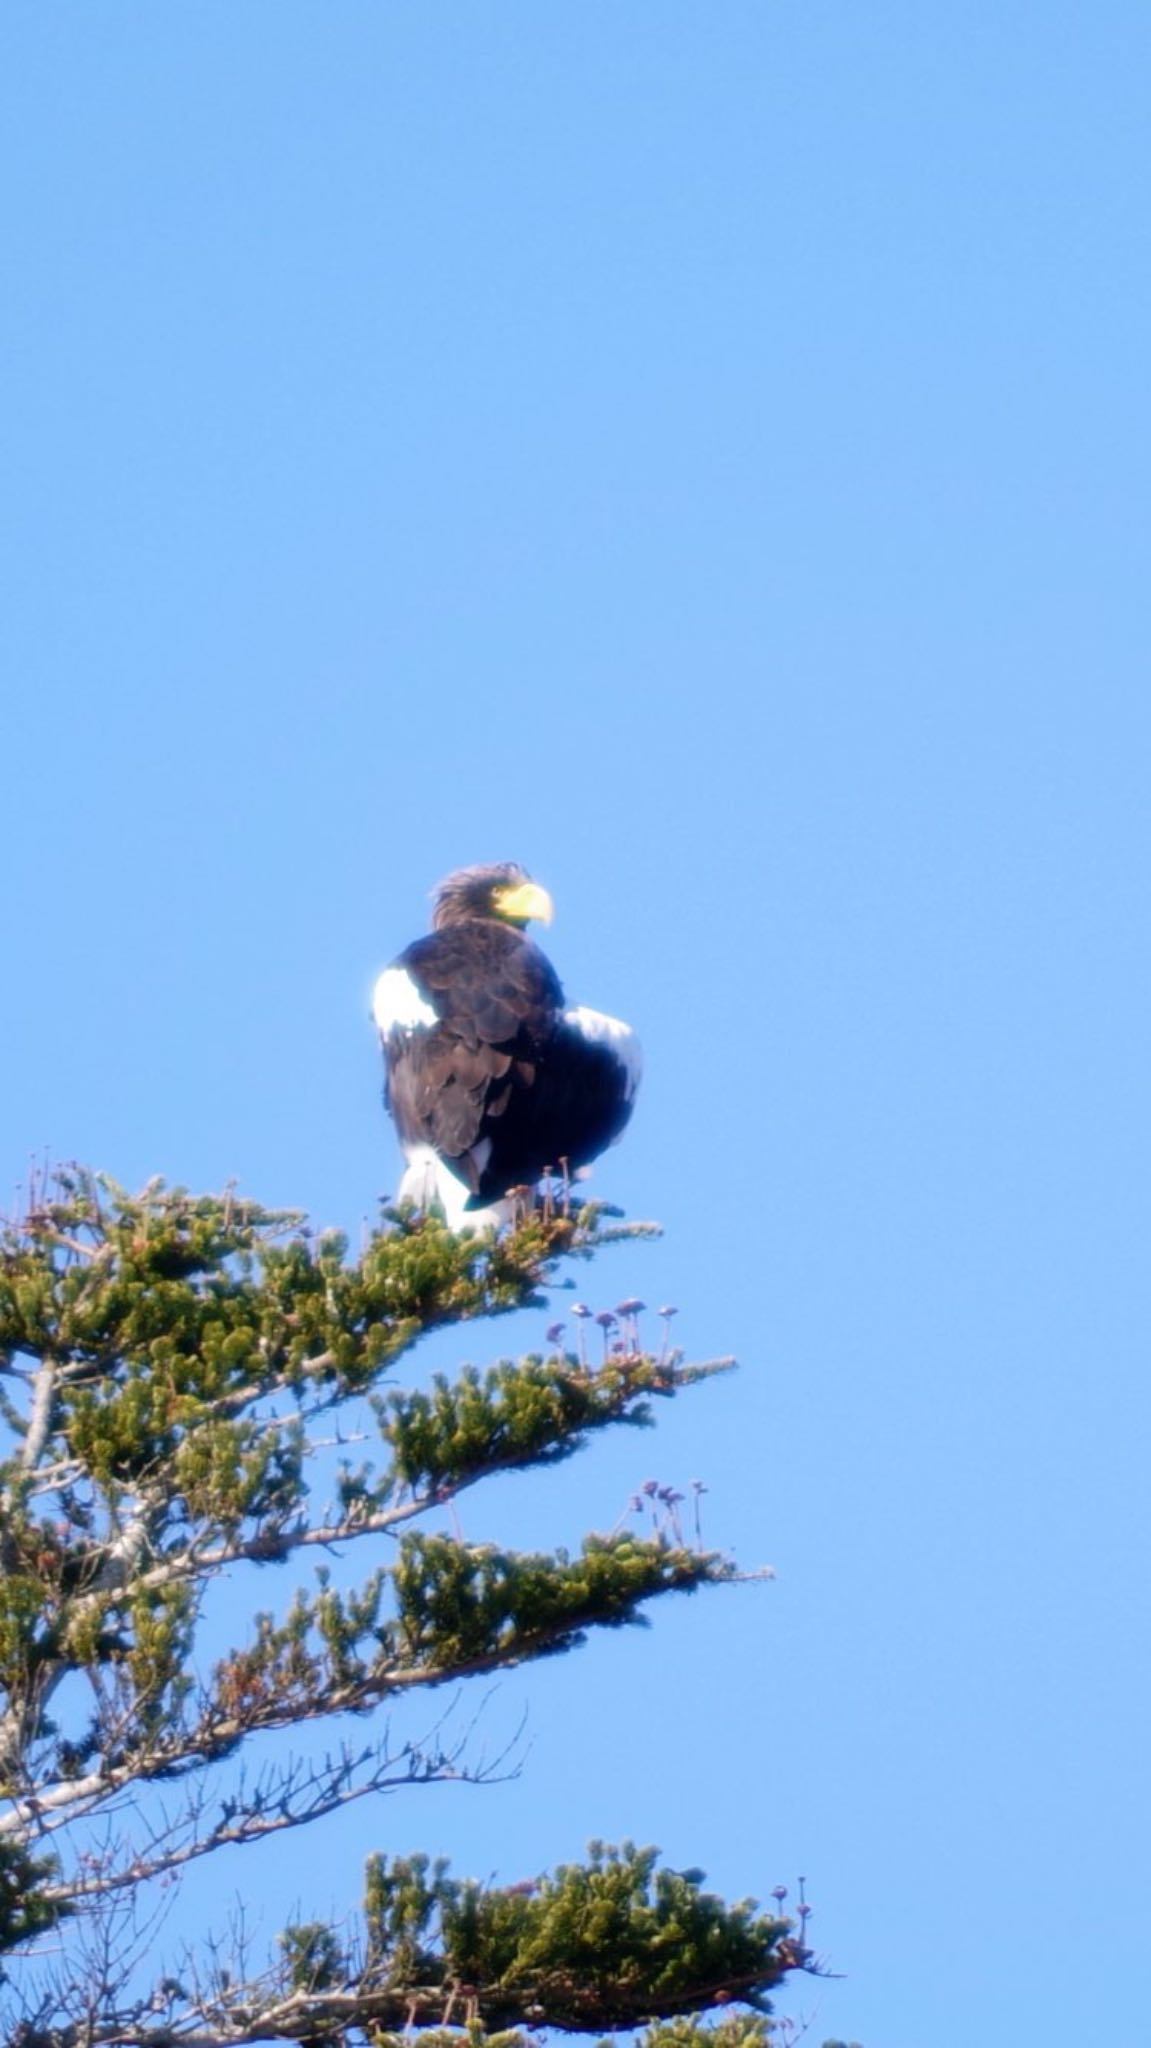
429 1179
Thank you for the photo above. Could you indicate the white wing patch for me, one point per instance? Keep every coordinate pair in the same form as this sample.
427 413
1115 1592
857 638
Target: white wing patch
397 1004
599 1029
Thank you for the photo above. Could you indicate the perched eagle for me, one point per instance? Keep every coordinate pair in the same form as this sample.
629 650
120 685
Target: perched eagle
490 1076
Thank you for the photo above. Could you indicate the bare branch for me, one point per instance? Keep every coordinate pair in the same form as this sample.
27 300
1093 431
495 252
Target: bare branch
281 1800
40 1419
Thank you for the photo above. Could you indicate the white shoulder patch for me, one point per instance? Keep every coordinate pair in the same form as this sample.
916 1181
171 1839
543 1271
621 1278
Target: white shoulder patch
602 1030
397 1004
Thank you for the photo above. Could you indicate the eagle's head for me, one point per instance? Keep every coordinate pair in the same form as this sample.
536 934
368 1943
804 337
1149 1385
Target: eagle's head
505 891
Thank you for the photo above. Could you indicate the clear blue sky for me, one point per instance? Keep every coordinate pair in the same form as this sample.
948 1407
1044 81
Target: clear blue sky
699 451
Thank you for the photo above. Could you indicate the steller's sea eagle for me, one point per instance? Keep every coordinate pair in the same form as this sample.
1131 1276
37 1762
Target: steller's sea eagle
490 1076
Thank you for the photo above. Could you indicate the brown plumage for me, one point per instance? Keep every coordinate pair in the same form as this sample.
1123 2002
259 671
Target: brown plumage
489 1078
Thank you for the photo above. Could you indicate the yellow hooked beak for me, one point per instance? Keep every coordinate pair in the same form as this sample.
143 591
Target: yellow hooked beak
523 901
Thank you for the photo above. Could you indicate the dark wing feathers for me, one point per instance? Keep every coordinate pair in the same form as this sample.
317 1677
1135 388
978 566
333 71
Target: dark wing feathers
487 983
501 1064
578 1106
497 999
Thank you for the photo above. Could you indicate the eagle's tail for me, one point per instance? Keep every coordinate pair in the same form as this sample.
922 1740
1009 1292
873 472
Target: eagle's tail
428 1178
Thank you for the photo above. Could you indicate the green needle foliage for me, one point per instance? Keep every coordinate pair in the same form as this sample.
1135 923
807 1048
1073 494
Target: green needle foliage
175 1371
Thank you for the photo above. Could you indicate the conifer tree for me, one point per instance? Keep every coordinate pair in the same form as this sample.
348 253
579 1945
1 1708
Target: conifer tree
174 1370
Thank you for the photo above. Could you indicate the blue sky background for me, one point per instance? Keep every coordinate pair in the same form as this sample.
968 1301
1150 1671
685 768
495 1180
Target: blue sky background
700 452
